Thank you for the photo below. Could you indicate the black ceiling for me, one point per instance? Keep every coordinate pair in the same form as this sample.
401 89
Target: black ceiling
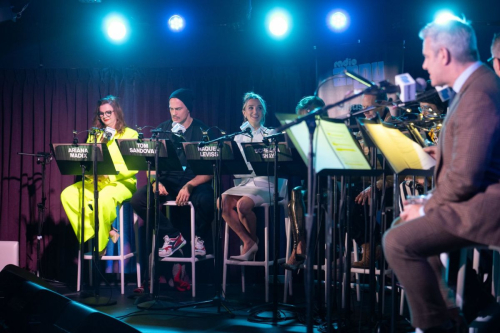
67 33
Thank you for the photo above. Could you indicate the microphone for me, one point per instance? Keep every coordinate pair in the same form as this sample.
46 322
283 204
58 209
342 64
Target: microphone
247 128
444 92
421 84
248 131
139 131
75 138
156 132
267 138
408 87
109 133
176 128
204 133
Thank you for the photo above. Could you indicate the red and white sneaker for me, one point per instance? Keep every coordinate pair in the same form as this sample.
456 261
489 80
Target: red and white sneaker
199 247
171 245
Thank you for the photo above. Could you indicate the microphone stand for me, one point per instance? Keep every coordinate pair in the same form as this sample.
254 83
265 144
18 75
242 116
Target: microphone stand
226 137
96 300
154 302
273 138
310 120
142 298
43 159
217 169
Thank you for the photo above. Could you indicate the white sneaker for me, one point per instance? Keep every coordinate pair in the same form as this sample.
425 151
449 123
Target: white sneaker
171 245
199 247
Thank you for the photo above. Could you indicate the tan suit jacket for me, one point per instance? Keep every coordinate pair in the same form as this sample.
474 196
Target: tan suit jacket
466 199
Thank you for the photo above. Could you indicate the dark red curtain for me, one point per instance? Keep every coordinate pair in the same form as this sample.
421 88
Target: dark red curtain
43 106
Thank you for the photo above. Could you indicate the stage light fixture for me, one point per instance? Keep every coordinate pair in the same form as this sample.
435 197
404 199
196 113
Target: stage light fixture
176 23
116 28
338 20
278 23
6 13
445 16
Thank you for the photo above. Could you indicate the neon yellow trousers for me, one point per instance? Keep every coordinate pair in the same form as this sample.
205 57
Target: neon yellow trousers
111 195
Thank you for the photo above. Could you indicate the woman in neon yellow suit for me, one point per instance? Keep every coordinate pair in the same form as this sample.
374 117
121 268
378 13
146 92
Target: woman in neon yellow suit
113 189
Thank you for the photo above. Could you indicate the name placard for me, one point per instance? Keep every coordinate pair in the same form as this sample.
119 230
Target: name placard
77 153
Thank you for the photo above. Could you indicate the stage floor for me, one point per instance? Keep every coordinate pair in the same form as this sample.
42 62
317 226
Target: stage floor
238 315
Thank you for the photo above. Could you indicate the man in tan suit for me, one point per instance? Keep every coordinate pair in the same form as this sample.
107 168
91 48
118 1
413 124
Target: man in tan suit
462 210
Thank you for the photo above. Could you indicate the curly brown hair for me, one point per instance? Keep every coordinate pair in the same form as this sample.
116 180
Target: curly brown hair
117 109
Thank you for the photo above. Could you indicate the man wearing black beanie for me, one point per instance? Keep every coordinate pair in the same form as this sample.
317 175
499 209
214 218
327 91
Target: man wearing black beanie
181 186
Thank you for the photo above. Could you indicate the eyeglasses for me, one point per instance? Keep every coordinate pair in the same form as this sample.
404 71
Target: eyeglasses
105 113
425 108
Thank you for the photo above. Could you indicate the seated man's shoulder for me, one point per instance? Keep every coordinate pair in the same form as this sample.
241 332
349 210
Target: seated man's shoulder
199 123
166 124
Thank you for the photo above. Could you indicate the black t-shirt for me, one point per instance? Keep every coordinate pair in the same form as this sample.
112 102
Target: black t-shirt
193 133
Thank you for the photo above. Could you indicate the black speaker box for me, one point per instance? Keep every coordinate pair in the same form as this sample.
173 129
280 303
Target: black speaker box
27 304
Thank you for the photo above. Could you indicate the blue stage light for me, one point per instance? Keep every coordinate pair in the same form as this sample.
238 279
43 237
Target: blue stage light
445 16
116 28
176 23
338 20
278 23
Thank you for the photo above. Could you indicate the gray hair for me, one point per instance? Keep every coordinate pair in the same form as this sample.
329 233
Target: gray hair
455 35
495 46
251 95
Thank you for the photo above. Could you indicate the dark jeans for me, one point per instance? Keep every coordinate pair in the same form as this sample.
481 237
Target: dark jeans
202 198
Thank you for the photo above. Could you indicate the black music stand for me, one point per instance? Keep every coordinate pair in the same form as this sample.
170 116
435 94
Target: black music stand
202 159
261 155
344 223
42 158
341 156
400 166
286 162
216 157
86 159
140 154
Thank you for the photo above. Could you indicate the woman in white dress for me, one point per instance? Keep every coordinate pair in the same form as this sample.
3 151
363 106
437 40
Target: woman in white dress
252 190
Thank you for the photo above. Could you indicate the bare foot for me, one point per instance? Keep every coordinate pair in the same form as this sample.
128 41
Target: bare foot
292 260
114 235
301 249
247 246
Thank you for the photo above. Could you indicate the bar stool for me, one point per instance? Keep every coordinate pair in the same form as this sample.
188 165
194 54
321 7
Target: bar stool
121 256
357 271
282 183
192 259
